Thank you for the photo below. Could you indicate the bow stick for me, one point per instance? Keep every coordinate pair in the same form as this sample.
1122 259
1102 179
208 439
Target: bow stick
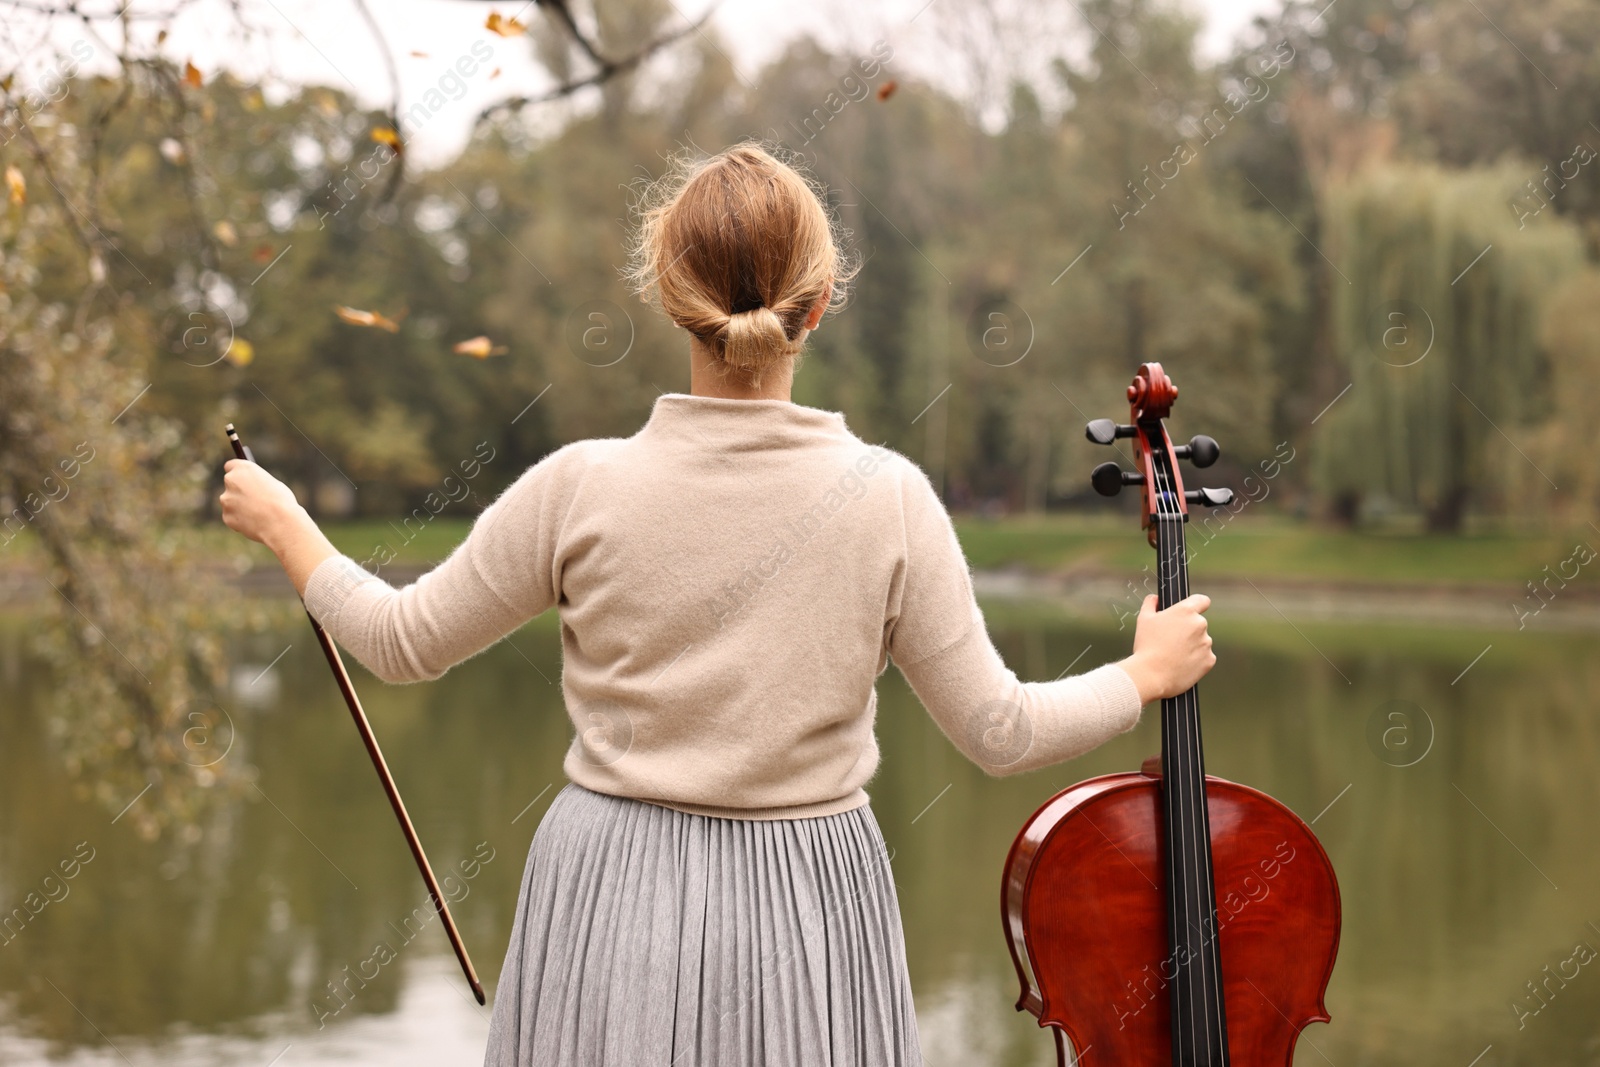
342 676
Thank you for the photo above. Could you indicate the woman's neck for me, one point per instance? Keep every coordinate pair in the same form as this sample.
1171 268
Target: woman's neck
706 379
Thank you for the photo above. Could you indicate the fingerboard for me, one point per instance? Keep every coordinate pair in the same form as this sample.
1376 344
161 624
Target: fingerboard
1193 966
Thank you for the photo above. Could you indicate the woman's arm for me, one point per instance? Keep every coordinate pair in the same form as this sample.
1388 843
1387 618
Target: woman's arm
1007 726
262 508
939 641
501 576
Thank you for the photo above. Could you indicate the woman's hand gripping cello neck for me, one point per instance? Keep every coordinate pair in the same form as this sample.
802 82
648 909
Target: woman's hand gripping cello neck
256 504
1171 648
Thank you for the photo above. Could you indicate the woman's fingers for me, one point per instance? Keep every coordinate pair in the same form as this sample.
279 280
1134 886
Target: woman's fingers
253 501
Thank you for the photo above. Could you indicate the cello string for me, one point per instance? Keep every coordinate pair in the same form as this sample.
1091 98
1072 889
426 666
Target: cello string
1200 910
1169 534
1177 867
1214 952
1211 960
1181 783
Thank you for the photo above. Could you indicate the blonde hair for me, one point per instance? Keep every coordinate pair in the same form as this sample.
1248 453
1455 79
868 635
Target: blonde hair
737 249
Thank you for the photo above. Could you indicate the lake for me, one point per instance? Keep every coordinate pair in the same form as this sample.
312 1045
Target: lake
1451 774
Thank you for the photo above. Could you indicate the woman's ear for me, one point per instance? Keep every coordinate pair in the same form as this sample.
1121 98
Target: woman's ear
819 308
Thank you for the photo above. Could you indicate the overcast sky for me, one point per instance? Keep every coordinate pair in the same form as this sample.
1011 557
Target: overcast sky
327 42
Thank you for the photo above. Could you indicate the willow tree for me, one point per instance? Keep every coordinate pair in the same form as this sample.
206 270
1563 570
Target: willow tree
1564 445
1435 318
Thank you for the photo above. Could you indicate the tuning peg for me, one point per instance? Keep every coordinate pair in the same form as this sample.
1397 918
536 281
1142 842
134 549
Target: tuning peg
1105 431
1108 479
1211 498
1201 450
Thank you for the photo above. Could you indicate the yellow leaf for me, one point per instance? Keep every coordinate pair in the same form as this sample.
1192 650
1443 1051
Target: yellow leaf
479 348
192 76
495 75
16 184
419 55
386 135
366 318
240 353
226 233
505 27
253 100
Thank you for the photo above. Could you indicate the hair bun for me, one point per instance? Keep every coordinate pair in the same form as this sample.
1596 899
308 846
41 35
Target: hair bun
783 255
753 338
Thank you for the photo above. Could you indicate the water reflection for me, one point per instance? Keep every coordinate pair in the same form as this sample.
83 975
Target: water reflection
1468 871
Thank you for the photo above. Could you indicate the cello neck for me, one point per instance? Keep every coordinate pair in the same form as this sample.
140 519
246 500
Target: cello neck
1199 1021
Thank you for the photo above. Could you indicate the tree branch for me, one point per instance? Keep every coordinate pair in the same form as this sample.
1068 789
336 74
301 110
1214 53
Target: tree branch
606 68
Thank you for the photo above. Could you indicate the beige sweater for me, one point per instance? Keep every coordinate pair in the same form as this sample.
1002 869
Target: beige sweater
731 581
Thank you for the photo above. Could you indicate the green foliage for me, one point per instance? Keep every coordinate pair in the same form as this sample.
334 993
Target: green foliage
1437 325
105 494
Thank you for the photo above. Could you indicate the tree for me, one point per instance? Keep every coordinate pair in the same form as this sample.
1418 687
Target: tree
1437 328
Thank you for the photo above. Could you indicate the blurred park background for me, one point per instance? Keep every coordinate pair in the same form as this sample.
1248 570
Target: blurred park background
1361 236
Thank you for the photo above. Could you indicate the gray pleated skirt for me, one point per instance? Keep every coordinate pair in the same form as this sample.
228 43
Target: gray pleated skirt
650 937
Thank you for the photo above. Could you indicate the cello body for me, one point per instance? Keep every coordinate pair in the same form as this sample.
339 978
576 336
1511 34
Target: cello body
1169 918
1083 899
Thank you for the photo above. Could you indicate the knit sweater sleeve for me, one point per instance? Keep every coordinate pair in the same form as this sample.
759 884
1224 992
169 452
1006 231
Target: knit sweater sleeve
501 576
941 644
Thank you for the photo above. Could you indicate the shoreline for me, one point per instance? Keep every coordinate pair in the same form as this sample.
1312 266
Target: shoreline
1456 605
1113 595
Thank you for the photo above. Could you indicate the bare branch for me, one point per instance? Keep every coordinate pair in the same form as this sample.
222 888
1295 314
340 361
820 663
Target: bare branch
607 69
398 174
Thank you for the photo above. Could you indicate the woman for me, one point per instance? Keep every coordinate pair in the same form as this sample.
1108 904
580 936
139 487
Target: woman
712 887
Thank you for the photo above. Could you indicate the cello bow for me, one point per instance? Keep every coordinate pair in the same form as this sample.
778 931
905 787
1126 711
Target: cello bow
353 702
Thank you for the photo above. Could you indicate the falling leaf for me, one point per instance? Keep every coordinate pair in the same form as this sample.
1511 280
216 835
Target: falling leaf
5 83
226 233
161 38
253 100
328 105
16 184
387 136
505 27
240 353
495 75
479 348
192 76
419 55
886 90
262 254
366 318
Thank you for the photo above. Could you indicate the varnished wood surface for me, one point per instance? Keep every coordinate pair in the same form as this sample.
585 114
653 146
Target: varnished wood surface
1085 918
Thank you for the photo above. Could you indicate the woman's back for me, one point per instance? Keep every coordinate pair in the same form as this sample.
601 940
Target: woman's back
727 576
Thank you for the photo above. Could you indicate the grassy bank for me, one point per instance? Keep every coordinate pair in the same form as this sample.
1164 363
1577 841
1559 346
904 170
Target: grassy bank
1249 546
1269 547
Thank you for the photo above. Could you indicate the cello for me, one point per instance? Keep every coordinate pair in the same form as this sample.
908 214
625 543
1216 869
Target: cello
1167 916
